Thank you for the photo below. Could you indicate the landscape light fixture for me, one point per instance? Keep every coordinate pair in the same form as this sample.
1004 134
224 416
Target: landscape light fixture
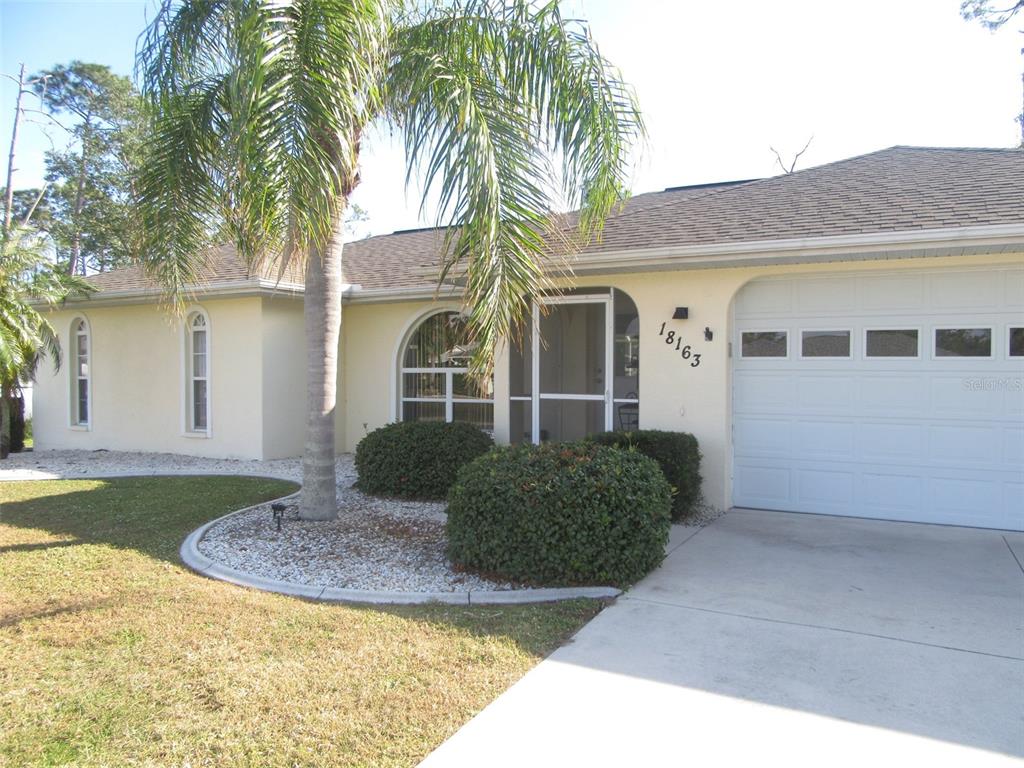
681 313
278 509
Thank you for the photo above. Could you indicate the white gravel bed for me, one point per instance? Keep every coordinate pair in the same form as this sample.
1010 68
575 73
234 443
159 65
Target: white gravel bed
703 515
375 544
44 465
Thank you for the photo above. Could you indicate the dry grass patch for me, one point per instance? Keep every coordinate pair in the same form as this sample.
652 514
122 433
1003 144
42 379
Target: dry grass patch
112 653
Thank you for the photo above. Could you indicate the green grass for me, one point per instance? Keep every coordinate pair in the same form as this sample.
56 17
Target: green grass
29 442
113 653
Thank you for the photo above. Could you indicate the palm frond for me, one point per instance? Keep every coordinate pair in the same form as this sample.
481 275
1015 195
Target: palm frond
259 109
487 94
28 281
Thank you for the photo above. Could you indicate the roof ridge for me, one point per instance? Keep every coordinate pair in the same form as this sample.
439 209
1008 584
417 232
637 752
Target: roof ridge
709 185
413 230
933 148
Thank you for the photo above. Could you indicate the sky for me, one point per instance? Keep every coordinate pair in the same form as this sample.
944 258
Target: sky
719 83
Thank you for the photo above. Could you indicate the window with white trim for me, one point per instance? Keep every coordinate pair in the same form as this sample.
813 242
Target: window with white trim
80 373
825 344
434 379
764 344
963 342
891 342
197 363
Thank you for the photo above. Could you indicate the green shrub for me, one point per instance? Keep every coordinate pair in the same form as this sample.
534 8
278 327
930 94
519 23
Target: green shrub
560 513
417 459
678 456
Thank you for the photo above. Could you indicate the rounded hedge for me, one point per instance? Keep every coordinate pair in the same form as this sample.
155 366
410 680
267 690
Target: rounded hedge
417 459
678 455
562 513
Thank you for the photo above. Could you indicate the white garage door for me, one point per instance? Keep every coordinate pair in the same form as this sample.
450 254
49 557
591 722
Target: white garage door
889 395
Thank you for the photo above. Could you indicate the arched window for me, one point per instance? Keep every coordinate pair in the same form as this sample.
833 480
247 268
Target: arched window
80 373
197 373
434 380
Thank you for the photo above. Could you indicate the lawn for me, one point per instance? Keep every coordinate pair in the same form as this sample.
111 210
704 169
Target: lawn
113 653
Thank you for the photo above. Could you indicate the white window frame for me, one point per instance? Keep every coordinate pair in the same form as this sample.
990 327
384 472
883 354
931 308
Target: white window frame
73 414
993 346
789 347
864 342
449 373
605 298
850 332
188 369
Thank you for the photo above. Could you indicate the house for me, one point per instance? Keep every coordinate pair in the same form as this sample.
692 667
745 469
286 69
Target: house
846 339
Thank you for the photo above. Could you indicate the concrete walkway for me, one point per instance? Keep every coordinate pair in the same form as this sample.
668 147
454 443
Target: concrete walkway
784 639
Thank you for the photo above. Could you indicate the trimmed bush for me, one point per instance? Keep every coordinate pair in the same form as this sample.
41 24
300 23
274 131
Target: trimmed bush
678 456
560 513
417 459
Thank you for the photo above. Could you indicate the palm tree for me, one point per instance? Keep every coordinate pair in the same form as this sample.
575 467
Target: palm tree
505 108
29 282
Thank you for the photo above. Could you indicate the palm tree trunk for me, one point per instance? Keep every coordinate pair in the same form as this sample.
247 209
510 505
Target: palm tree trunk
322 313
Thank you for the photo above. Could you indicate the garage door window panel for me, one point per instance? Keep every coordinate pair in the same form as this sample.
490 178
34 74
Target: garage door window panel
771 344
892 343
963 342
825 344
1016 341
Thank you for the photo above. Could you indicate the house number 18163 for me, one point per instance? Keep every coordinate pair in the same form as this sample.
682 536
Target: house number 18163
686 351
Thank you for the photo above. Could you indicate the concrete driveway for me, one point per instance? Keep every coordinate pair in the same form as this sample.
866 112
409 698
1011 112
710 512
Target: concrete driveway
775 638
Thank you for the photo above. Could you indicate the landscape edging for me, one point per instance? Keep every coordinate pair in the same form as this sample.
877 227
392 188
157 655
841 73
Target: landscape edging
206 566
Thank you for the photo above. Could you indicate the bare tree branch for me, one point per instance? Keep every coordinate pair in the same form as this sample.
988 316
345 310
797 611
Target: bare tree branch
35 204
796 157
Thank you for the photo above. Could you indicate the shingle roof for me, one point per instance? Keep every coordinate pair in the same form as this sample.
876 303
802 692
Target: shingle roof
403 259
223 265
892 190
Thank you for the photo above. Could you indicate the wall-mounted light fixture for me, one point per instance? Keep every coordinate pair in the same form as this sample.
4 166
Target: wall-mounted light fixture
681 313
708 335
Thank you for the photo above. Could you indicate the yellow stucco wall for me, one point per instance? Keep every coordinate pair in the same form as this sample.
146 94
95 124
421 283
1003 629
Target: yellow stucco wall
284 377
673 395
258 365
138 382
371 335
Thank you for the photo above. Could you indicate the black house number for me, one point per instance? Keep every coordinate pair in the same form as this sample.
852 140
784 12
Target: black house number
686 351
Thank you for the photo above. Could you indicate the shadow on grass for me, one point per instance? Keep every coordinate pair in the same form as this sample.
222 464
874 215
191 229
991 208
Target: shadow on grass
153 515
36 546
149 514
13 619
